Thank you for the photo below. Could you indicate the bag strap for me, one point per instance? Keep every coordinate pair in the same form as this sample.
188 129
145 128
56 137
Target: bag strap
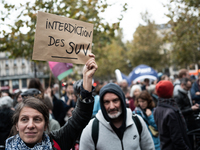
95 131
138 124
95 128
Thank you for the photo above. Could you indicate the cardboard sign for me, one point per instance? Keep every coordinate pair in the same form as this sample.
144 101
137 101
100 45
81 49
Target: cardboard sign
62 39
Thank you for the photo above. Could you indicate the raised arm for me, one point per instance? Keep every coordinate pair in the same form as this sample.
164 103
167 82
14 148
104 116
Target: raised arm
82 113
88 72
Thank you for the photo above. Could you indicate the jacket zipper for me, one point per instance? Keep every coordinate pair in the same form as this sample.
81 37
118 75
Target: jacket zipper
122 145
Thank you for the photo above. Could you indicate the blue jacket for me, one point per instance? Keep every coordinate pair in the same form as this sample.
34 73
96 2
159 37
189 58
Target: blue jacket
151 122
193 90
96 104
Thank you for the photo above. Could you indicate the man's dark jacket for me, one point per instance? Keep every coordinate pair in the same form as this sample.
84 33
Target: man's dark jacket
59 111
185 106
171 129
193 90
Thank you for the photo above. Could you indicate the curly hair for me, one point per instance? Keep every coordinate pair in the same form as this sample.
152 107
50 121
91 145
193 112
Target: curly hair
144 95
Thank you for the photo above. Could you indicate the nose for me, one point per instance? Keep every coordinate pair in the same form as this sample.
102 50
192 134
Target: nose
31 124
112 106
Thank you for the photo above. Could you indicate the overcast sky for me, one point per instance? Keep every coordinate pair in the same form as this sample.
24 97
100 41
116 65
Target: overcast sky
132 18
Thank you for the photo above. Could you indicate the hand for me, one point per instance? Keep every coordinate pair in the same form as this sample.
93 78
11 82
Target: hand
88 71
195 107
197 93
48 91
148 112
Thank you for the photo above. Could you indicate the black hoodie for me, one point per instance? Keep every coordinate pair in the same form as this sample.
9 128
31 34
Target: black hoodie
114 88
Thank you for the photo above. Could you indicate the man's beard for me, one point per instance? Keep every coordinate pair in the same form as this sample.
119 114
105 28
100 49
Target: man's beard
114 116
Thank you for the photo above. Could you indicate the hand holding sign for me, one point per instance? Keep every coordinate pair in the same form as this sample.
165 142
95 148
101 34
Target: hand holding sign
62 39
88 72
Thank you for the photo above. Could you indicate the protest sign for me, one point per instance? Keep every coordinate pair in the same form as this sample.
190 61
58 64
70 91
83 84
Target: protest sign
62 39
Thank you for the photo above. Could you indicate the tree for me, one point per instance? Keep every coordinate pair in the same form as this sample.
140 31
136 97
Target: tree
185 36
20 44
146 46
113 57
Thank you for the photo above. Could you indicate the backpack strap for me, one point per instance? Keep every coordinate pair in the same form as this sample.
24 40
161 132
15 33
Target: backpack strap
95 128
138 124
95 131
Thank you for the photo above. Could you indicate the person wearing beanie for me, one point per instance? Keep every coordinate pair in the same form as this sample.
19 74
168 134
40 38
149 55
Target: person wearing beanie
117 130
169 120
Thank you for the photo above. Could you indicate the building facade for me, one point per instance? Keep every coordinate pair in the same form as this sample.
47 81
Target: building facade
16 73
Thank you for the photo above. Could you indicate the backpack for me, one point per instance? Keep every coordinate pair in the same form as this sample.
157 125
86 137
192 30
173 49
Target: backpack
95 128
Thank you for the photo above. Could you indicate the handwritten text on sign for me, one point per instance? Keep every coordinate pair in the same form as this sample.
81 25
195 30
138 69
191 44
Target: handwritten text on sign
62 39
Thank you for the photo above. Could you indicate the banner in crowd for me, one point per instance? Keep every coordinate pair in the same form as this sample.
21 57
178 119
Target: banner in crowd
60 70
138 74
62 39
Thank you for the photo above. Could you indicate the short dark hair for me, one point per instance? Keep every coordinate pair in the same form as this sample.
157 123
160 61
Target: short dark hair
184 81
48 102
35 83
146 80
69 84
182 73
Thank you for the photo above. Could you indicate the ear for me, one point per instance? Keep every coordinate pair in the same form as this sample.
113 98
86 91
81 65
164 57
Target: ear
45 127
17 127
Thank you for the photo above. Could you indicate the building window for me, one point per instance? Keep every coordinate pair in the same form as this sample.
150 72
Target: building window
15 62
7 63
15 84
5 83
15 71
7 71
24 83
23 61
23 70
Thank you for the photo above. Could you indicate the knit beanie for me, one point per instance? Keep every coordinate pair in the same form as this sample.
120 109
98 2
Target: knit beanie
164 89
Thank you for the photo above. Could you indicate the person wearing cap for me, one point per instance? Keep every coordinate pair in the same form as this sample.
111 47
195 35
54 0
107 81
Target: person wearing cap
169 119
117 130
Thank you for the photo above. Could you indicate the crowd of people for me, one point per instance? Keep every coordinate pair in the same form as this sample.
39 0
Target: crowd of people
148 115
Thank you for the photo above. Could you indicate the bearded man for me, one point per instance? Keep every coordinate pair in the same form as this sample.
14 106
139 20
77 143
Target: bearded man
117 130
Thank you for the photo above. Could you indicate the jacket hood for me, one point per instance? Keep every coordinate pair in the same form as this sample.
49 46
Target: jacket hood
112 88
